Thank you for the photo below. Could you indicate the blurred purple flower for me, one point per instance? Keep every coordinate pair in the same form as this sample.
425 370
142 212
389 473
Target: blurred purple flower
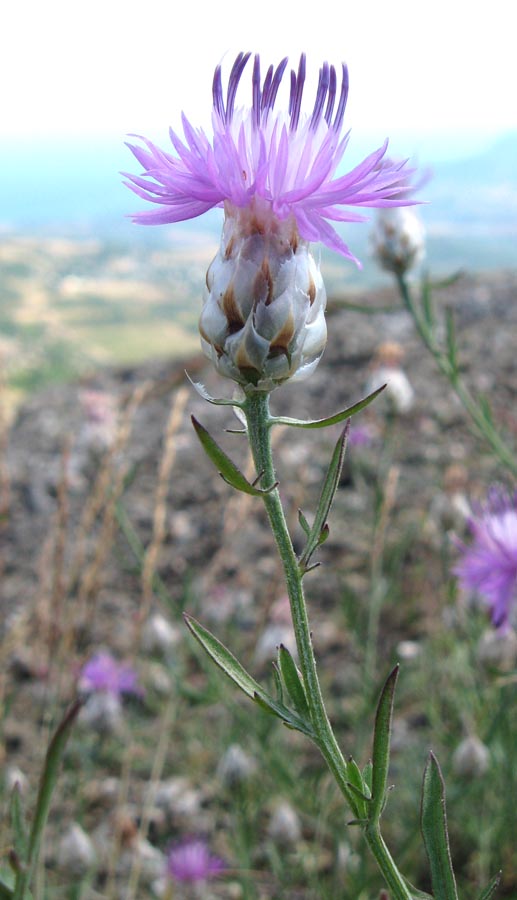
192 861
266 166
104 674
360 436
489 565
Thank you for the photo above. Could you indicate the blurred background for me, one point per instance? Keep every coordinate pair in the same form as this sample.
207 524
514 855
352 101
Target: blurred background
77 78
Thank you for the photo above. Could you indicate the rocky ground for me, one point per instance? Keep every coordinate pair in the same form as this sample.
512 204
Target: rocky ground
81 472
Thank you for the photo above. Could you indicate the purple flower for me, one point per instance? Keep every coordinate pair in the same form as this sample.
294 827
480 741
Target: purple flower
103 673
360 436
192 861
489 565
265 165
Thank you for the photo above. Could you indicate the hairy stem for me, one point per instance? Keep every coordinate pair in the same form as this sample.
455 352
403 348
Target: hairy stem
256 408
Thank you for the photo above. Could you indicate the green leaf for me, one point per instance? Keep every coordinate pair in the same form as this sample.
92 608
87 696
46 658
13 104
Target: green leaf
303 522
330 420
227 469
359 788
490 890
223 658
238 674
202 391
381 745
7 879
48 781
18 826
452 352
292 681
434 830
367 775
427 304
290 719
416 894
319 530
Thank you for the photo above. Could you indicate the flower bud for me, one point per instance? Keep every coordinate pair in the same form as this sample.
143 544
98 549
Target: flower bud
398 239
263 318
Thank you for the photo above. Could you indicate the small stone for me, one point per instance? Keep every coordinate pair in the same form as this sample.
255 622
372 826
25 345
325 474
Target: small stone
408 650
76 853
236 766
471 758
102 713
284 826
159 636
498 649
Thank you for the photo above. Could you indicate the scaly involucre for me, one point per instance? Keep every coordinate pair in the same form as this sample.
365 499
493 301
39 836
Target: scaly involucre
278 165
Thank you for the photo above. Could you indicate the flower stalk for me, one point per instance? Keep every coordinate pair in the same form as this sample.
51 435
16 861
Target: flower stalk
259 421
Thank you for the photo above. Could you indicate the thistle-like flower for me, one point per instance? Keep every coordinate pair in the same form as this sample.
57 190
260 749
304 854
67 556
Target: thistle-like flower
275 175
488 566
191 861
102 673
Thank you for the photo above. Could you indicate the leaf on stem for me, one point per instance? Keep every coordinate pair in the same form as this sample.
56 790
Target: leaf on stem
490 890
319 531
227 469
292 681
416 894
381 746
202 391
238 674
330 420
18 825
434 830
359 789
48 780
452 350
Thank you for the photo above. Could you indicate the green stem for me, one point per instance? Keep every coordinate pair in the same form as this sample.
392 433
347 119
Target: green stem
256 408
483 425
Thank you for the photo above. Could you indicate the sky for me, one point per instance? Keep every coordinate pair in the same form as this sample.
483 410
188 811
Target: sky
102 68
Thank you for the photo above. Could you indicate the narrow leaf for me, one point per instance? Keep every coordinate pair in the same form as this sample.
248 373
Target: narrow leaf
434 830
278 684
451 340
381 745
18 826
227 469
303 522
416 894
223 658
367 775
290 719
202 391
490 890
48 780
354 775
328 492
238 674
427 304
330 420
292 681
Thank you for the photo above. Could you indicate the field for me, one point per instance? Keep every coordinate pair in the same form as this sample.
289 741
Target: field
114 522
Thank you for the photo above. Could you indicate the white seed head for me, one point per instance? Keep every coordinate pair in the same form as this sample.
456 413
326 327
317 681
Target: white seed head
471 758
263 318
398 239
399 394
284 825
76 853
236 766
158 635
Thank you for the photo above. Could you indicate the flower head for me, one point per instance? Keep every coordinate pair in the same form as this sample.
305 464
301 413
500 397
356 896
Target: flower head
488 566
274 164
102 673
275 175
191 861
